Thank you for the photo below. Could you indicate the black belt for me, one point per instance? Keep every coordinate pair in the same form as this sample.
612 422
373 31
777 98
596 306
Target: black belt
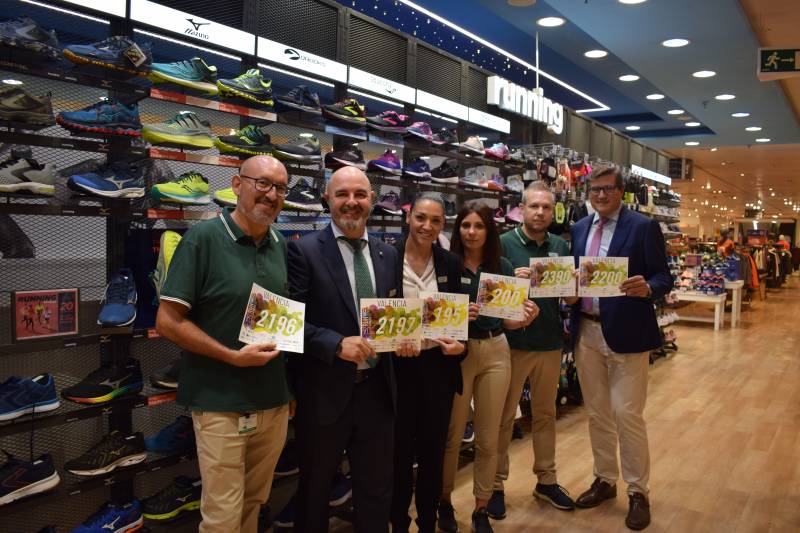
590 316
481 334
364 375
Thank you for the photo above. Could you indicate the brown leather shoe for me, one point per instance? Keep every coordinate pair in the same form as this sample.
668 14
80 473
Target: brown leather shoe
599 492
638 511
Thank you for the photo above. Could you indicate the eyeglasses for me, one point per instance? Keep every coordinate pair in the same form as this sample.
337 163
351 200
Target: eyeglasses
264 185
597 189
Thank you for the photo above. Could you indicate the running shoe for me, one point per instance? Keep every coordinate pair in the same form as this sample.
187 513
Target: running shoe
251 140
421 130
251 86
447 172
348 111
388 162
303 197
389 204
498 151
515 215
21 173
302 98
287 515
500 215
114 518
445 138
473 145
22 396
418 168
182 495
515 184
117 180
495 183
117 53
518 156
472 179
349 157
108 382
108 117
341 490
226 197
113 451
450 210
119 302
287 462
25 33
19 479
304 148
190 188
177 437
167 245
390 121
168 376
184 130
193 73
18 105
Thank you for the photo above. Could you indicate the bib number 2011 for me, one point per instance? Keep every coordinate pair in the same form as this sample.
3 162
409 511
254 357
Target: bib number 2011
286 326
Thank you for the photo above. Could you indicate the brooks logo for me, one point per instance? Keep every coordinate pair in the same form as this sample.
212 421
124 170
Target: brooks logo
294 55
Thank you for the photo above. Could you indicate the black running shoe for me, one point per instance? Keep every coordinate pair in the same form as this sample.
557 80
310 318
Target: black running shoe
114 450
447 172
18 105
390 121
302 98
348 111
167 377
350 157
445 138
251 86
303 197
304 148
19 478
251 140
26 34
108 382
450 210
183 494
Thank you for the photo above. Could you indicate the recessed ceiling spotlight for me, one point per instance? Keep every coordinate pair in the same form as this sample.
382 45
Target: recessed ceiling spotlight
675 112
725 97
691 143
632 2
675 43
629 77
704 74
655 96
12 82
692 124
740 114
753 128
595 54
714 149
550 22
763 140
632 128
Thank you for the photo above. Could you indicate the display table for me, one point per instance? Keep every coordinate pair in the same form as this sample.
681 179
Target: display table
719 307
736 308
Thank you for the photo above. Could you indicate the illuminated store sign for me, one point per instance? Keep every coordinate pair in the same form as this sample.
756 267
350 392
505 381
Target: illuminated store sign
522 101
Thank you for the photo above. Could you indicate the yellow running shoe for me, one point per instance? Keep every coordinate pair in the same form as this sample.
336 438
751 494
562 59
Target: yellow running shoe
169 242
190 188
226 197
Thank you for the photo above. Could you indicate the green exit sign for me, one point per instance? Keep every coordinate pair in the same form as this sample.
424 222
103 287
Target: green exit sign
774 63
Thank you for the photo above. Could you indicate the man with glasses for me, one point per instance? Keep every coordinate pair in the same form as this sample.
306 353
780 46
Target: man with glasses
614 337
238 394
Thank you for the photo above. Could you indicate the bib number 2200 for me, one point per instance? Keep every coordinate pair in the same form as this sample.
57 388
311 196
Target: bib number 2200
607 278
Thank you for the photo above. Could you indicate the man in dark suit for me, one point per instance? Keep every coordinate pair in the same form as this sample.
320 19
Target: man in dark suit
614 336
345 391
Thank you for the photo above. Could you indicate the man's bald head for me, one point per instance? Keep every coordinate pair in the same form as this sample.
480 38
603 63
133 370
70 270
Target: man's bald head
350 196
346 174
264 165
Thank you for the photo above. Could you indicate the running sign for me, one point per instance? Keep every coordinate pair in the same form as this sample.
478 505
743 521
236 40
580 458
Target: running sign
777 63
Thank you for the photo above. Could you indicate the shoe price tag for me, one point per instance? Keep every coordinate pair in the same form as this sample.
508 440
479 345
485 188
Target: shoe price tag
135 55
247 423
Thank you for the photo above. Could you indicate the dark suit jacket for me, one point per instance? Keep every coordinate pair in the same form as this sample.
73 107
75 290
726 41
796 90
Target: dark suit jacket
318 277
629 324
448 268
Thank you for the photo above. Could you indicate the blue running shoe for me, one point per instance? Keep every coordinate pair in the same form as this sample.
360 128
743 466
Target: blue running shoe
21 396
118 180
418 169
116 53
302 98
193 73
119 302
19 479
175 438
341 490
113 518
109 117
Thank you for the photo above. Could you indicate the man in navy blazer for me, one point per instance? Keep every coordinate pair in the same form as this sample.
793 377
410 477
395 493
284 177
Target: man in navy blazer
345 391
614 336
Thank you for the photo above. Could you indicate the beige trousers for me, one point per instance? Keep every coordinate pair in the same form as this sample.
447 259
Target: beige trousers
614 390
236 469
543 369
486 372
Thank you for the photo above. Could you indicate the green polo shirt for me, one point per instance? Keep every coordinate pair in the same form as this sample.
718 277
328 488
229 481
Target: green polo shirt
469 285
544 334
211 273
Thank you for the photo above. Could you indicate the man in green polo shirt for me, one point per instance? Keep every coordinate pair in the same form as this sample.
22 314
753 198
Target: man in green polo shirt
535 353
238 394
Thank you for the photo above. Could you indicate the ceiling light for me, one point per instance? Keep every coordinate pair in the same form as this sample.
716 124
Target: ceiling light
753 128
725 97
632 2
772 194
675 112
740 114
675 43
741 174
763 140
691 143
550 22
12 82
714 149
655 96
632 128
692 124
704 74
629 77
595 54
734 198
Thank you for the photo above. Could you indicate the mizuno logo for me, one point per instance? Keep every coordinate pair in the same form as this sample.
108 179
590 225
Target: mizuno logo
197 24
113 383
111 525
196 31
182 498
308 195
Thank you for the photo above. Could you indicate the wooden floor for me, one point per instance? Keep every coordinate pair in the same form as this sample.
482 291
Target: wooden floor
723 418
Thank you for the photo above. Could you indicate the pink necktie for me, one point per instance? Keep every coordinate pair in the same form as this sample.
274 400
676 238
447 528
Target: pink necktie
594 249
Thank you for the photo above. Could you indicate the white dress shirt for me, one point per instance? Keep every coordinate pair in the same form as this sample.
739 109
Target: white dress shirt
605 243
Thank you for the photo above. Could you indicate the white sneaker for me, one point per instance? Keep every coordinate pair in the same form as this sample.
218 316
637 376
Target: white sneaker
474 145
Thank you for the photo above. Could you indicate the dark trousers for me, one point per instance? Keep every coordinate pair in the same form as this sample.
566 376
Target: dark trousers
424 401
365 429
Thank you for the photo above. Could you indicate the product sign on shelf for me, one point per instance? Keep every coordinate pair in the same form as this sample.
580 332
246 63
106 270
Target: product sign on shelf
192 26
442 105
490 121
382 86
531 104
112 7
301 60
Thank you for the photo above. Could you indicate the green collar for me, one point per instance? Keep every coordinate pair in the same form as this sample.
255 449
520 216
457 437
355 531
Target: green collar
525 240
235 231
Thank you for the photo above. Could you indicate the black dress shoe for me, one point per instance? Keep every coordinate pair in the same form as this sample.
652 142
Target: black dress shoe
599 492
638 511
